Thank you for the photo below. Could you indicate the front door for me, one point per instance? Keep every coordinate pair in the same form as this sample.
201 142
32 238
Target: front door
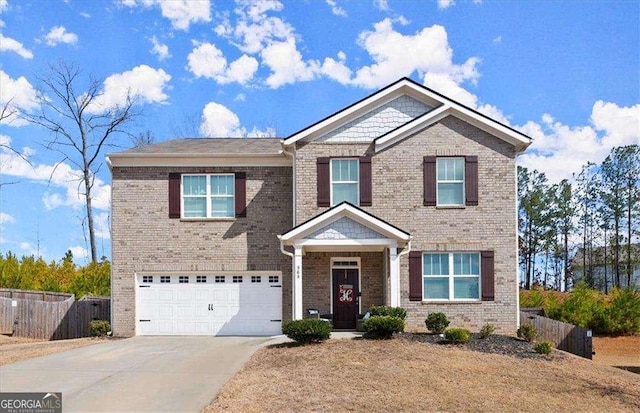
345 297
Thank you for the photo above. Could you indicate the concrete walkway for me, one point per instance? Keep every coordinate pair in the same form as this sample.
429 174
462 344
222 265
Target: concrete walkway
139 374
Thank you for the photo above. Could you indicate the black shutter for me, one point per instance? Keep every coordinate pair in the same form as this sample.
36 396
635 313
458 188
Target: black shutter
241 194
488 289
429 180
174 195
324 191
471 180
365 181
415 276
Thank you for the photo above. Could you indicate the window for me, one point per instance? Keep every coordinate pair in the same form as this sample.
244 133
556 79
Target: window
345 181
451 276
165 279
450 181
219 279
256 279
147 279
208 196
274 279
201 278
237 278
183 279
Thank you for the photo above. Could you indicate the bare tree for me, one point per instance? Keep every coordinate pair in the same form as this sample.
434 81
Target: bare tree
80 127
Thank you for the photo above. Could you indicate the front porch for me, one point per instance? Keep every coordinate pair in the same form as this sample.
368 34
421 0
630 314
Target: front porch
343 261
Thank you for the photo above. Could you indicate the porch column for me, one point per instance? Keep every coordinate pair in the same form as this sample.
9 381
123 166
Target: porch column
394 276
297 284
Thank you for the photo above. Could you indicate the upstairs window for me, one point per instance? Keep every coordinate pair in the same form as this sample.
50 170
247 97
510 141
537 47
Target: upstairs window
450 181
450 189
208 196
344 181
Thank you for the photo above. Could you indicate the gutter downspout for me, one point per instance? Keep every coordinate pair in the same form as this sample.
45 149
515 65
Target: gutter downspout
404 251
293 272
293 175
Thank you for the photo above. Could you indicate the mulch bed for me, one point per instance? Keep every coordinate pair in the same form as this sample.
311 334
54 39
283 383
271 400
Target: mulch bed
495 344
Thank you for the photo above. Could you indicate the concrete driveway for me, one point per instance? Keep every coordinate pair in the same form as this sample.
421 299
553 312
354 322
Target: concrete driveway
159 374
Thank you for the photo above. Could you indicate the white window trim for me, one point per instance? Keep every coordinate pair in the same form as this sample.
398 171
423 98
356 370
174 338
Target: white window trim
357 182
209 196
457 181
451 276
337 266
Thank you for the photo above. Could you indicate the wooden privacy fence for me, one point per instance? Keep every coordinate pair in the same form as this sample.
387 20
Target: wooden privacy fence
50 316
570 338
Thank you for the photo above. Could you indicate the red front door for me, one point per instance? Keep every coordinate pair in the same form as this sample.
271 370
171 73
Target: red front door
345 298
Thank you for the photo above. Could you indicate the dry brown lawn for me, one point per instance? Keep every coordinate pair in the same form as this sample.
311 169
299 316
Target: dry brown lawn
14 349
403 375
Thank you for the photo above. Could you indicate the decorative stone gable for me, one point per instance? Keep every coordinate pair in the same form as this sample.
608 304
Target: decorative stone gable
378 122
345 228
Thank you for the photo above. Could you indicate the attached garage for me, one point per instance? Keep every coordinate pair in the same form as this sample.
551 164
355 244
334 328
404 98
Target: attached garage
208 304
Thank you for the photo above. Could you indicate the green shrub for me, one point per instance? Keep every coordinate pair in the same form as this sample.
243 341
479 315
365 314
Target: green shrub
436 322
399 312
307 331
457 335
622 316
544 347
487 330
382 326
527 332
99 328
583 307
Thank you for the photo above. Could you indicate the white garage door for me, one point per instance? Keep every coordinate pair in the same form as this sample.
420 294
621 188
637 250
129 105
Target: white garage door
209 305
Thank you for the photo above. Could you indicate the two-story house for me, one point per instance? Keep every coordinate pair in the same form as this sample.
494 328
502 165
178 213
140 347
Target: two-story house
405 198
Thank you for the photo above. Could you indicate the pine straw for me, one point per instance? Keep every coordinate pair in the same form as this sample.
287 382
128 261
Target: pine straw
405 375
13 349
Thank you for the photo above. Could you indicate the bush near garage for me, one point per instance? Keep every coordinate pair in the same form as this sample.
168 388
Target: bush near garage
99 328
382 326
307 331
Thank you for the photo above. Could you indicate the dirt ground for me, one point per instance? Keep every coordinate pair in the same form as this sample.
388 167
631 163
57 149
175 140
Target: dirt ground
623 352
405 375
14 349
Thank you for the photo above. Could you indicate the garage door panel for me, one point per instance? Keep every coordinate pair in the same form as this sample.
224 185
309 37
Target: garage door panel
208 308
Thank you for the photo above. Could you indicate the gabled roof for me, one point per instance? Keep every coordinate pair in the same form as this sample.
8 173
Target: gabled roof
344 209
204 152
442 107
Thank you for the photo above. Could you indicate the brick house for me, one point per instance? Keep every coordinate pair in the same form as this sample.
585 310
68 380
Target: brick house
405 198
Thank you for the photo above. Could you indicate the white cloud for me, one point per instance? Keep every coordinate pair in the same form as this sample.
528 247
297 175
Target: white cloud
181 13
62 179
559 150
18 94
335 9
254 30
337 69
497 40
286 64
4 6
102 225
240 97
79 252
430 54
6 218
207 61
142 82
159 49
382 5
444 4
8 44
218 121
59 34
85 15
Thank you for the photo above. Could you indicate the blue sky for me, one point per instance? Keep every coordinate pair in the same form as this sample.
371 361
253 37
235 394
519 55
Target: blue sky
566 73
